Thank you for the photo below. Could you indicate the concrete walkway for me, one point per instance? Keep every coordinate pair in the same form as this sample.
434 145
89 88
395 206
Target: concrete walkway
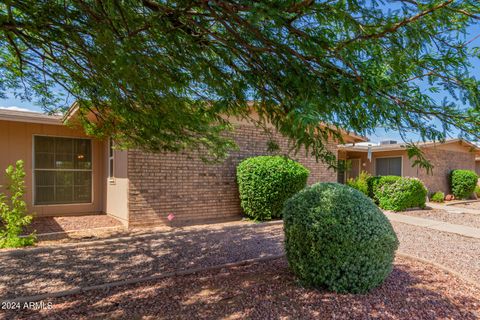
435 225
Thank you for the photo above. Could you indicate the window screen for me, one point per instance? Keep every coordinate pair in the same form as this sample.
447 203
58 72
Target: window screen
63 170
388 166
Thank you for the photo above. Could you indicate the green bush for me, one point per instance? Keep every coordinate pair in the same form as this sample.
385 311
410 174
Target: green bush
375 183
372 183
477 191
437 197
402 194
463 183
266 182
338 239
360 183
13 210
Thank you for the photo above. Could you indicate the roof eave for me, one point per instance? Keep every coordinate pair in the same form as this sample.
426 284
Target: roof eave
34 118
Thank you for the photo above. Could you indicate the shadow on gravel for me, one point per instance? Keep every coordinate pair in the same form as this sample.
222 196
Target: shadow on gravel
62 269
268 290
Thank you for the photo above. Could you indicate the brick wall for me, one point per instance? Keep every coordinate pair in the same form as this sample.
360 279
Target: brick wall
196 192
444 162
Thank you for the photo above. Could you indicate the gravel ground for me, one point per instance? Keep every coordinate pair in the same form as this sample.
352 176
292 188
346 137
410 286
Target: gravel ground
466 219
59 269
459 253
470 205
268 290
65 268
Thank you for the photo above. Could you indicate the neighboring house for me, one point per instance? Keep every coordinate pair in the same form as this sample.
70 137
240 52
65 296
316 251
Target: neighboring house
69 173
390 158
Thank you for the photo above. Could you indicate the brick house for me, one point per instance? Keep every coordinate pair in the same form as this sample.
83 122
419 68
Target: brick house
390 158
69 173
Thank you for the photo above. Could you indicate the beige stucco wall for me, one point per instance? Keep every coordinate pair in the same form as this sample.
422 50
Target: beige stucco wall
16 139
444 158
116 189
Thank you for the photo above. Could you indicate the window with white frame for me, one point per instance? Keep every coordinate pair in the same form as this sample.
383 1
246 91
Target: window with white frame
111 157
62 170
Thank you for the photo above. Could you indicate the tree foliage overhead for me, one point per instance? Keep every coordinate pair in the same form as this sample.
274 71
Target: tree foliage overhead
160 74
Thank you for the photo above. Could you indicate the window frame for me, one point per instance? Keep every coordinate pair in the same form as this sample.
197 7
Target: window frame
92 188
388 157
111 161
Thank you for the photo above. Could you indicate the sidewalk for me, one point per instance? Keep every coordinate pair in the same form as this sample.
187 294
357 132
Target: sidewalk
435 225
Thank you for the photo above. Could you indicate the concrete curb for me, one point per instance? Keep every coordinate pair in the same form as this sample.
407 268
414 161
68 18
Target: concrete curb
149 234
112 284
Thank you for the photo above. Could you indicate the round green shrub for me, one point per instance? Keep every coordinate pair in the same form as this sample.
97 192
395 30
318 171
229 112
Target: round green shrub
402 194
266 182
463 183
438 196
337 238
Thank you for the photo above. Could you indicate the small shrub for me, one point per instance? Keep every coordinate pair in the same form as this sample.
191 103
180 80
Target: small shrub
13 210
477 191
437 197
375 183
463 183
338 239
402 194
266 182
360 183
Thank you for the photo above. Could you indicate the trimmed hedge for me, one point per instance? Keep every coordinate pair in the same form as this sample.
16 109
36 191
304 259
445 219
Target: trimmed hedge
337 238
266 182
402 194
463 183
377 182
438 197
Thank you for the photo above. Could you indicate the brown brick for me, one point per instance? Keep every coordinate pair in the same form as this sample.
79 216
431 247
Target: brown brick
196 192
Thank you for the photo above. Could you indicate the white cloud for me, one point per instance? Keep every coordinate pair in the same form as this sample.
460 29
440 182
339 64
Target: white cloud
15 108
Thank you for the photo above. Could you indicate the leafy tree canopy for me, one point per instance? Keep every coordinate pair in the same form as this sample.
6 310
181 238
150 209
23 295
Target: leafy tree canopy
160 74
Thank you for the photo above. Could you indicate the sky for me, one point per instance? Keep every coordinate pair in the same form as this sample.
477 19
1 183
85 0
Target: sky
379 134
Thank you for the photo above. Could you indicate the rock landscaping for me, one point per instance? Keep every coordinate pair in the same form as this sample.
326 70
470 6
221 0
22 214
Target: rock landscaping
268 290
459 253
